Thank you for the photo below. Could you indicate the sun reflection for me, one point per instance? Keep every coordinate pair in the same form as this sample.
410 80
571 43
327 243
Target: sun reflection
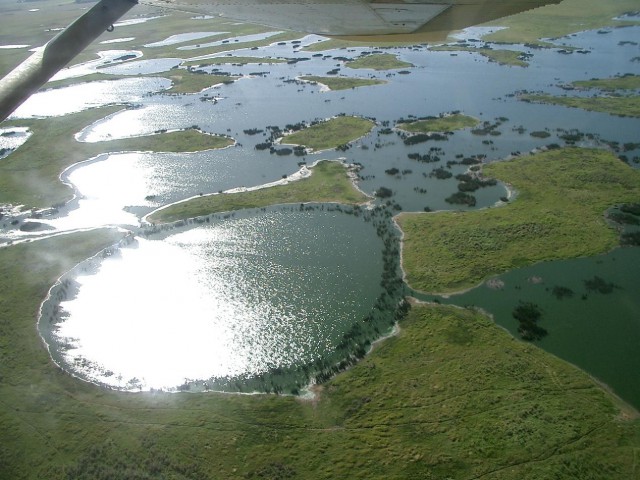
225 299
76 98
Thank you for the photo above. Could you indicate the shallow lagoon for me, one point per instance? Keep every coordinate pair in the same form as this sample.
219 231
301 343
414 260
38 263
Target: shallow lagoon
231 297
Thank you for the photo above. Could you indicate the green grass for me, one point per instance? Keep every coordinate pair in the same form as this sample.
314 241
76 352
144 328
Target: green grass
343 83
567 17
190 140
451 396
30 175
188 82
501 56
624 82
228 60
378 61
328 183
626 106
331 134
558 214
93 77
445 123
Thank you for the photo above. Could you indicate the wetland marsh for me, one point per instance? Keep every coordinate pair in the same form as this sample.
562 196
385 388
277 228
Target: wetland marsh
279 298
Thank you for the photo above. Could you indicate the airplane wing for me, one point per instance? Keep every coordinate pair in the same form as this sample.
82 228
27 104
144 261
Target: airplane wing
407 20
431 19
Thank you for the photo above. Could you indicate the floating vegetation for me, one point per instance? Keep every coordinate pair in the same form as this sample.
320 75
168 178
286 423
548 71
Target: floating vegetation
528 314
561 292
461 198
540 134
441 173
383 192
599 285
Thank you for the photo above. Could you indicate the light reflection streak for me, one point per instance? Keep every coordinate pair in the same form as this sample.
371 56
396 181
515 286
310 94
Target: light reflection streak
236 297
76 98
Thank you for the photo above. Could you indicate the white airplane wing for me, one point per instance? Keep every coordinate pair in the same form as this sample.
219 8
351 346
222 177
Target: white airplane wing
366 18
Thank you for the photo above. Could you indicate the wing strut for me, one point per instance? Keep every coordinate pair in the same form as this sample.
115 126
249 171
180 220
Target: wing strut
36 70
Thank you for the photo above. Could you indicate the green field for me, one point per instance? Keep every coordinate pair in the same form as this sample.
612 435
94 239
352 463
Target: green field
342 83
444 123
626 106
451 396
378 61
328 183
558 213
30 175
333 133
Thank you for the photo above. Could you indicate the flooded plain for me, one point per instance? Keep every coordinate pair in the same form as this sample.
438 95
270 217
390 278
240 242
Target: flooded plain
265 290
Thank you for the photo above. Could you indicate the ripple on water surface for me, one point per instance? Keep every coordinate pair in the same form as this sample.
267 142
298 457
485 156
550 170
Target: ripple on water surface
231 297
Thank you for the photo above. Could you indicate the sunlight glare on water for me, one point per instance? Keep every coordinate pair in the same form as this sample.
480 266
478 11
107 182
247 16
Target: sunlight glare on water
76 98
105 192
135 122
231 298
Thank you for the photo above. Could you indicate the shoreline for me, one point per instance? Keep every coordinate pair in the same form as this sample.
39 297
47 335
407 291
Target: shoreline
303 173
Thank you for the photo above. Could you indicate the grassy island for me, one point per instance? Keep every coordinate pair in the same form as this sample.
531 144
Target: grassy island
451 395
30 175
379 61
333 133
501 56
185 81
558 214
444 123
328 183
343 83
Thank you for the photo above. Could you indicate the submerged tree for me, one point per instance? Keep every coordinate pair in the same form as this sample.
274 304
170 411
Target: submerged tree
528 314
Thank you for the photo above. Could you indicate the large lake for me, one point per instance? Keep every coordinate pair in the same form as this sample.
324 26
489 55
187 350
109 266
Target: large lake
284 284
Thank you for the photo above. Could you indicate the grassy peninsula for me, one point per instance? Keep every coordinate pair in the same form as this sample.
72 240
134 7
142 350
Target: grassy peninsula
558 213
190 140
626 106
624 82
328 183
30 175
451 395
443 123
331 134
342 83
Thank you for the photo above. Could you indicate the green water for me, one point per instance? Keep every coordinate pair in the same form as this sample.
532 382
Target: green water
598 332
